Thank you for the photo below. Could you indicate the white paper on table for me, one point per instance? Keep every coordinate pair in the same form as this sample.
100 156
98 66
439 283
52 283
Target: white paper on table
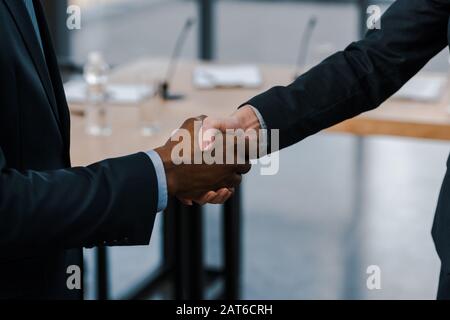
423 88
117 93
214 76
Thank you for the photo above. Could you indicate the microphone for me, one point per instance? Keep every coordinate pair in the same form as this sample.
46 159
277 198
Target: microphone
165 85
304 46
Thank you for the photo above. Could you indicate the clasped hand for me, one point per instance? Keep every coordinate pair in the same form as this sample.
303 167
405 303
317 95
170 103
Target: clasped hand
201 173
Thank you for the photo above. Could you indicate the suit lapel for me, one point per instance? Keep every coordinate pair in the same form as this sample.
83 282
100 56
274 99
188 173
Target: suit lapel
21 17
53 71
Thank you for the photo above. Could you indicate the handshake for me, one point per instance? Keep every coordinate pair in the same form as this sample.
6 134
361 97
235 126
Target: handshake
204 159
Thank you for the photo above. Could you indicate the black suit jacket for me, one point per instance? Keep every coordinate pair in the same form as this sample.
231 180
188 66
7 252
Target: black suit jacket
48 210
362 76
359 79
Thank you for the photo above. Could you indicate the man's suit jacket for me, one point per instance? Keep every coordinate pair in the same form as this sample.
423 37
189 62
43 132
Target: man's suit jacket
48 210
359 79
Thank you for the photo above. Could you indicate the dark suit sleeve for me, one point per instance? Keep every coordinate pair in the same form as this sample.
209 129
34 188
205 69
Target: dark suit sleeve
362 76
112 202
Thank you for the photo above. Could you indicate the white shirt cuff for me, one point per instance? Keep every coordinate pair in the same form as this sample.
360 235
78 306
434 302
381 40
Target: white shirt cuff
262 123
161 177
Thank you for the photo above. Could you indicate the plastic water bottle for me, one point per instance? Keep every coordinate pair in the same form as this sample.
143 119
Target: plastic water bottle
96 72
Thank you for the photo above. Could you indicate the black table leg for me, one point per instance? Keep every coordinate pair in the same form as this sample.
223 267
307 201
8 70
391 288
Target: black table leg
168 225
183 249
192 252
171 246
183 255
102 274
232 246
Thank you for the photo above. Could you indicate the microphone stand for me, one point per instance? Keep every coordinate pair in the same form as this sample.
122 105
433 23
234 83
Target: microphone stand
304 46
164 89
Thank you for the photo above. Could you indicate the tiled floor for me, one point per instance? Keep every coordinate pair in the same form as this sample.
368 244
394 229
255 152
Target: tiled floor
303 238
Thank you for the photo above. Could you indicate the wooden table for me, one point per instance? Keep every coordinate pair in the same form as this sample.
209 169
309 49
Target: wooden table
395 118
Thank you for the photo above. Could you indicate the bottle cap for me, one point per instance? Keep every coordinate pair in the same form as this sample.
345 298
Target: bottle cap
95 57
